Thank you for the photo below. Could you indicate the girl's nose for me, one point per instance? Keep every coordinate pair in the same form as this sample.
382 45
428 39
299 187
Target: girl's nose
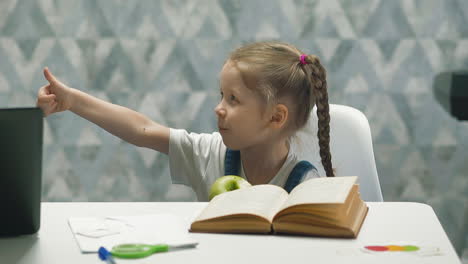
220 111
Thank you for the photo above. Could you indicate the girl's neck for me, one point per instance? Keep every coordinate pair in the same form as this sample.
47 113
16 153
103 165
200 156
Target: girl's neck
262 163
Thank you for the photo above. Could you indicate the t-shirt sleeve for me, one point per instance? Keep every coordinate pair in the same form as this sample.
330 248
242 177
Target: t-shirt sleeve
195 159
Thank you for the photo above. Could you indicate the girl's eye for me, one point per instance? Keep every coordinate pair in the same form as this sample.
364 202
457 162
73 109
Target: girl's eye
232 98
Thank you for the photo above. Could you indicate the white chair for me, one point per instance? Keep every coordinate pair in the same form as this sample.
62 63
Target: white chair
350 146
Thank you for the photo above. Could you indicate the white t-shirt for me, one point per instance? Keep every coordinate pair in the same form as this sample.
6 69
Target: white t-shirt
197 160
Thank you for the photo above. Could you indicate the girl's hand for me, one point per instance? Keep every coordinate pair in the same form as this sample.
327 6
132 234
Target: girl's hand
55 96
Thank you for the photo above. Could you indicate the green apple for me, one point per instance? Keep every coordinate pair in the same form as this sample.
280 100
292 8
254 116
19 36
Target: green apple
227 183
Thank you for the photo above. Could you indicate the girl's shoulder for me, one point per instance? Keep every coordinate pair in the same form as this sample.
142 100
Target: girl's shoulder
183 133
198 140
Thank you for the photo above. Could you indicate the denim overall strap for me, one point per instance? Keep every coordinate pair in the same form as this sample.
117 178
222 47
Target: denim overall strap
232 162
297 174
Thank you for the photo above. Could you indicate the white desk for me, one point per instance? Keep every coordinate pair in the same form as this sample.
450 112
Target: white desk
386 223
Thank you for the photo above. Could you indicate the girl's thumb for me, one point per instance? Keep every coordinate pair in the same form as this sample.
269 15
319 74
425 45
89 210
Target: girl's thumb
49 76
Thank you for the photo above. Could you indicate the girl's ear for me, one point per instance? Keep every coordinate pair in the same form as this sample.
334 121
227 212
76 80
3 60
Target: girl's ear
279 116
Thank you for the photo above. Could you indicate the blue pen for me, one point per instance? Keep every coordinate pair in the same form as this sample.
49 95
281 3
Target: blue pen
105 255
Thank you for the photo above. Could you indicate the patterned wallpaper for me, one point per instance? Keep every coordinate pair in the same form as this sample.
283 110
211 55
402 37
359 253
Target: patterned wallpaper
162 59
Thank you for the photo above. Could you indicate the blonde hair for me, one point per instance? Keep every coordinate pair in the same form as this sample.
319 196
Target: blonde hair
274 70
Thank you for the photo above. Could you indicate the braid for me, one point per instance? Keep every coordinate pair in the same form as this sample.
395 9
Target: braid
319 89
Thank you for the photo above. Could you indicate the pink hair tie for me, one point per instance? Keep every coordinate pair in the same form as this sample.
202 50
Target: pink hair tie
303 61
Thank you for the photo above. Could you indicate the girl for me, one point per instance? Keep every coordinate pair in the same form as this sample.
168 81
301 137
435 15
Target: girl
267 89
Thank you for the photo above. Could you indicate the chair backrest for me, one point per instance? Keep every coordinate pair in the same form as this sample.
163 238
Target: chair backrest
350 146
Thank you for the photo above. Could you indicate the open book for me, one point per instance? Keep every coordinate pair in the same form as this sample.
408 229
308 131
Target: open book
329 207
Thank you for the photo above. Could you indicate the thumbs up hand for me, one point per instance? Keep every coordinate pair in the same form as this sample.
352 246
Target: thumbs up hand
55 96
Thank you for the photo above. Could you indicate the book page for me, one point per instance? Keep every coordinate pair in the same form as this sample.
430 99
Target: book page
326 190
262 200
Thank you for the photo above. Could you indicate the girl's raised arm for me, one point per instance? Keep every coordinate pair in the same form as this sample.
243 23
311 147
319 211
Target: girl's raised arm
122 122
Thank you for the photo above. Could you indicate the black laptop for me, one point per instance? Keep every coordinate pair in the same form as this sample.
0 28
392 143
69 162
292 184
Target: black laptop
21 131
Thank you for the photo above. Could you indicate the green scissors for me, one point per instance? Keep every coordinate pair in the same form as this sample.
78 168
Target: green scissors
131 251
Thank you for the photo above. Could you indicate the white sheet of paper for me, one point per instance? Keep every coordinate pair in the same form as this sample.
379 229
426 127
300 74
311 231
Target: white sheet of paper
92 233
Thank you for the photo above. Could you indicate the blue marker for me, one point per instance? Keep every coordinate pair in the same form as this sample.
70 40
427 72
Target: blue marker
105 255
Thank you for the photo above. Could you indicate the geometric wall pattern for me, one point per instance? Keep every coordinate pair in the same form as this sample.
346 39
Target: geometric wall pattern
162 58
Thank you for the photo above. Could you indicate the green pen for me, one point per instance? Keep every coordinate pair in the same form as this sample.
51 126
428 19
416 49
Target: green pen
131 251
